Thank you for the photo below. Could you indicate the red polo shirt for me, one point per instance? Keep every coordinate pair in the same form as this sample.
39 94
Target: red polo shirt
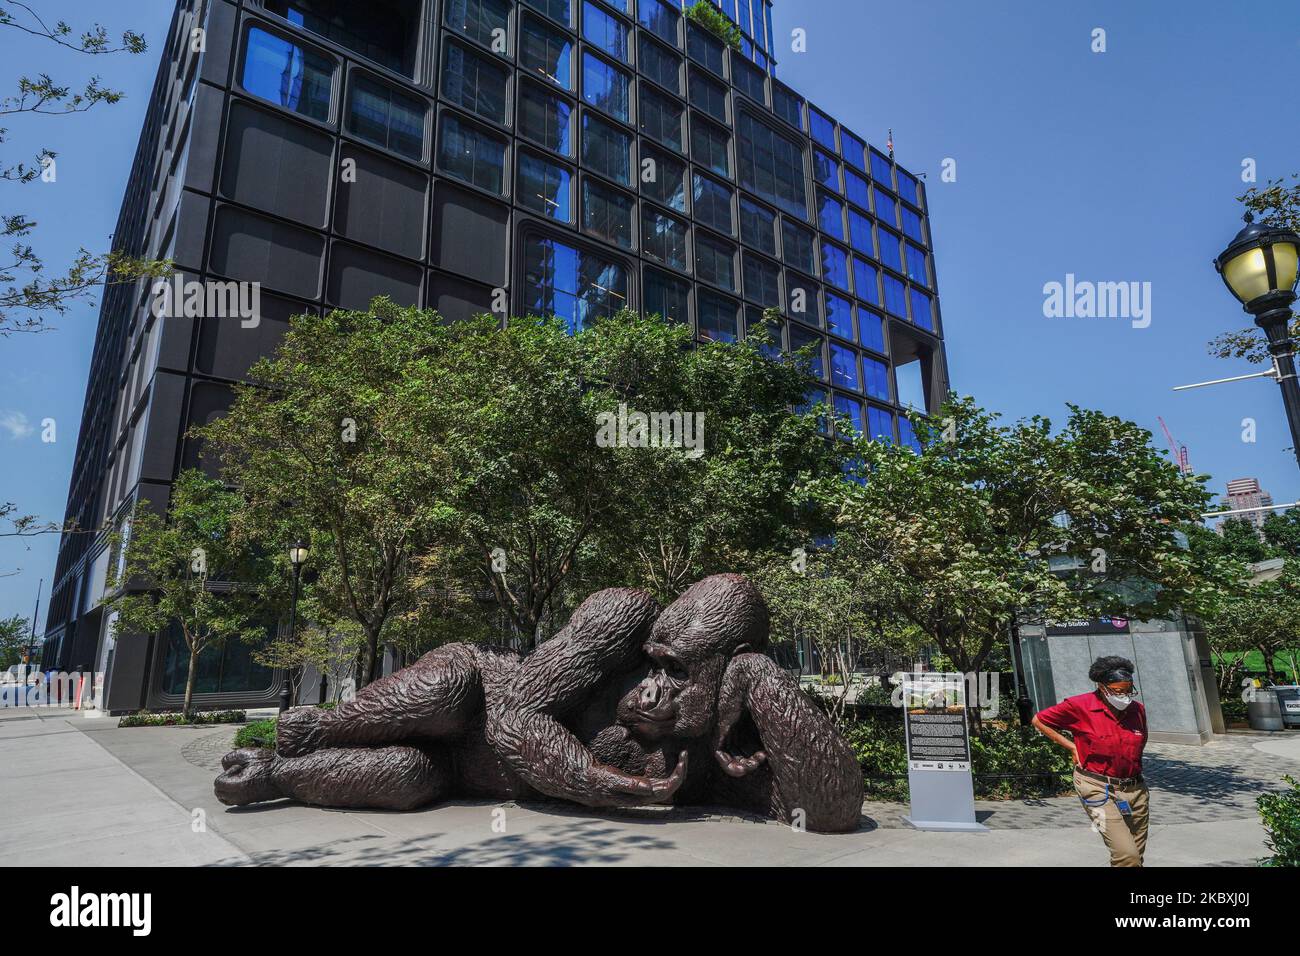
1106 743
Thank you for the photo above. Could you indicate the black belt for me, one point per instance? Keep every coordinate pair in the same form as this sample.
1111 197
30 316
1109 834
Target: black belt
1124 782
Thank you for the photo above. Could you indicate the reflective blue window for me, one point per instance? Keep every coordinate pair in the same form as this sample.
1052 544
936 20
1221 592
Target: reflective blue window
866 278
664 238
620 5
605 31
875 376
908 188
886 207
812 398
797 246
546 52
891 249
922 310
830 215
826 169
839 316
917 269
860 235
754 320
801 338
912 225
471 154
767 16
908 434
659 18
880 424
853 150
289 75
835 266
851 409
605 87
871 330
729 8
606 149
572 284
786 105
545 186
856 189
882 171
822 128
895 295
717 317
545 119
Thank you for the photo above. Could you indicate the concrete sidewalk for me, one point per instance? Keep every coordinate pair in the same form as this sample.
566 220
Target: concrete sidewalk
87 792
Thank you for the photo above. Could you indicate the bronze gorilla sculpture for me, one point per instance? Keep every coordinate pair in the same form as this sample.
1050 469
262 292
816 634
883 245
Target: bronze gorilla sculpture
624 706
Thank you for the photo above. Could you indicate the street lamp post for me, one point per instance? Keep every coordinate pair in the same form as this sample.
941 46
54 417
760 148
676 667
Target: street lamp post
1260 268
297 557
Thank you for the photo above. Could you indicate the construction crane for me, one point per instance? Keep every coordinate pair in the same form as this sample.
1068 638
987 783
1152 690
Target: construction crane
1179 451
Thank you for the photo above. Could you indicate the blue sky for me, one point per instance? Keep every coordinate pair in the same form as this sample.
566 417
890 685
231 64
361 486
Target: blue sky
1115 166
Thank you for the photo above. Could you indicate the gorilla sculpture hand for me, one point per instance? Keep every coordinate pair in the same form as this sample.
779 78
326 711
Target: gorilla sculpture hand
624 706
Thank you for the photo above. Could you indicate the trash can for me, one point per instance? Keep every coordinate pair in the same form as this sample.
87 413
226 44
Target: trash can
1263 713
1288 702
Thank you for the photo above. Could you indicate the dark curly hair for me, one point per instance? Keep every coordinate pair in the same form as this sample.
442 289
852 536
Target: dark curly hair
1104 665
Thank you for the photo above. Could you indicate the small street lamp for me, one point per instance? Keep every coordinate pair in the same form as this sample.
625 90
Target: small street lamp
1260 268
297 558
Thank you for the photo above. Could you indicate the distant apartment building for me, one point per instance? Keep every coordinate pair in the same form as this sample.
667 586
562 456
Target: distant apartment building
1245 493
546 157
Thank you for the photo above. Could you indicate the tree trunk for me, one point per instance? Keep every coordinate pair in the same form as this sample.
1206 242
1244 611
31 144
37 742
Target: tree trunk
372 654
189 679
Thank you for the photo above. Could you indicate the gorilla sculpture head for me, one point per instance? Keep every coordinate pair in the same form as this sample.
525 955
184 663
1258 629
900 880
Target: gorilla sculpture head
689 648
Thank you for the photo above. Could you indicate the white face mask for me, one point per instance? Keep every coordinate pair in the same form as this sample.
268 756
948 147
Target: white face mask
1118 701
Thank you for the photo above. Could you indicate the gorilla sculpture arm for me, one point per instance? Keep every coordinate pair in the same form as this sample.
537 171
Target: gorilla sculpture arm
812 768
525 725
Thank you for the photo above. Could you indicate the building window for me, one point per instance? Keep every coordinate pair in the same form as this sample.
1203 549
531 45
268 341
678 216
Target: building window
667 296
853 150
917 266
866 278
661 117
801 338
871 330
826 169
886 207
875 376
787 106
295 77
922 310
604 31
855 187
471 154
895 296
709 146
664 238
880 424
660 19
545 186
908 188
606 149
882 170
762 281
574 285
797 246
835 265
749 80
475 82
912 225
715 261
890 249
712 203
709 95
620 5
663 178
844 367
771 165
907 434
479 19
381 30
839 316
607 213
545 119
557 10
605 87
801 298
546 52
228 668
717 317
851 409
660 64
830 215
704 48
379 114
757 226
822 128
861 236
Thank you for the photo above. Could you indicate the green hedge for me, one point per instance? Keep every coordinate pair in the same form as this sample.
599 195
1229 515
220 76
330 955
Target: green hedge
1280 813
145 719
716 22
260 733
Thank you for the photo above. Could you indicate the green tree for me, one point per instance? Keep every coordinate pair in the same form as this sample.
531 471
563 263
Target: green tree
201 575
1264 616
1282 532
15 632
974 533
28 292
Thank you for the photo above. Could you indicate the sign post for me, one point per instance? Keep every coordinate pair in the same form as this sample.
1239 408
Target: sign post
938 753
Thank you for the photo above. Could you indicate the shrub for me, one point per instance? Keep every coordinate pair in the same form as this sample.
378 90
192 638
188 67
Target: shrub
1280 813
145 719
716 22
260 733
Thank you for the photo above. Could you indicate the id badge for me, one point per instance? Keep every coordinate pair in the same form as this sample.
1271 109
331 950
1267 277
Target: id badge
1124 808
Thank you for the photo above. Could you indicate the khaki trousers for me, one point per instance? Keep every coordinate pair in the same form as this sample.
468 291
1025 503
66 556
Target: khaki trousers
1125 836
